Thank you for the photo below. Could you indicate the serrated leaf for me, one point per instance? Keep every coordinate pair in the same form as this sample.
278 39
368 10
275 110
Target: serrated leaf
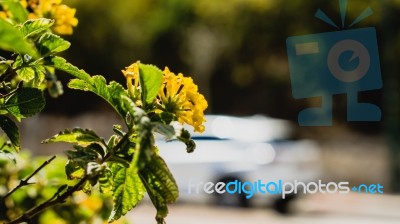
50 43
112 92
11 39
25 102
36 26
150 81
62 65
78 84
83 155
11 130
128 190
160 185
81 137
18 12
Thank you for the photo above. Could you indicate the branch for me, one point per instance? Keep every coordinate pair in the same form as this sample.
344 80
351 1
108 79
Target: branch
56 199
26 181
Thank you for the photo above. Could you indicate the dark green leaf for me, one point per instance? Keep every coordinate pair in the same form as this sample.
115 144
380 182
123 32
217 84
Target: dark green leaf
50 43
150 81
11 39
160 185
84 161
82 137
11 130
128 190
25 102
36 26
186 138
83 155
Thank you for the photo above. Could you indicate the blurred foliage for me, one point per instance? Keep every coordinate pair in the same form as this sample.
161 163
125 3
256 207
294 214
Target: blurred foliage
80 209
236 50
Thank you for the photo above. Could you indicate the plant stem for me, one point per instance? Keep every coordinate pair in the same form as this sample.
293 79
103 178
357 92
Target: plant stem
25 182
56 199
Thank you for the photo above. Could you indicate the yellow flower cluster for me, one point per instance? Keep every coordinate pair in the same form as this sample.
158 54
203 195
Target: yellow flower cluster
178 95
63 15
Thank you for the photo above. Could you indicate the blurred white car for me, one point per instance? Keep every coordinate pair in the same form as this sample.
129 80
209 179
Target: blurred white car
243 149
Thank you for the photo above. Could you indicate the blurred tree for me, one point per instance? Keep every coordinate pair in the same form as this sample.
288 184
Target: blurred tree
234 49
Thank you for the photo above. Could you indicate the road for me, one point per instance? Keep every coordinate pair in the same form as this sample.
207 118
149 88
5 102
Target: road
318 209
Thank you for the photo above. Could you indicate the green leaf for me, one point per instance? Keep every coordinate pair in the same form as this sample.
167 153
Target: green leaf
145 140
128 190
160 185
150 81
84 161
11 130
62 65
81 137
106 181
26 73
40 74
25 102
18 12
50 43
74 170
36 26
11 39
4 65
112 92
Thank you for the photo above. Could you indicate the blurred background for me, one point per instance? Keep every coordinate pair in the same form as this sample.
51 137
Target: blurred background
235 51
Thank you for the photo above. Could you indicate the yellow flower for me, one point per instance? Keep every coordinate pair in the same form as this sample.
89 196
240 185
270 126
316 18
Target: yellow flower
3 15
132 78
63 15
64 19
179 96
